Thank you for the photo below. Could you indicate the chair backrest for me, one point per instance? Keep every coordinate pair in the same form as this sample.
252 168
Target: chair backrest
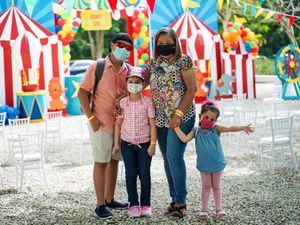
31 143
53 119
281 108
2 121
246 116
18 126
240 96
281 127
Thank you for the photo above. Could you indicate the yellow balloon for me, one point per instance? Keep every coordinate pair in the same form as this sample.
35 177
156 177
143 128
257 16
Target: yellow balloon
59 11
147 39
144 29
62 34
141 16
141 62
142 34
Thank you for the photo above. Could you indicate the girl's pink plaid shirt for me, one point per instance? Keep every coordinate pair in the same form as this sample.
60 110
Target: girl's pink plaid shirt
135 128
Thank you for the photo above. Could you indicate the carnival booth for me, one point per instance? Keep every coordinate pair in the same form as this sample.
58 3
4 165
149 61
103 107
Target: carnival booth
19 66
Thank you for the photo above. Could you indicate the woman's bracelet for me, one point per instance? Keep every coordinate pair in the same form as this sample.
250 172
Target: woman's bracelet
91 117
176 128
179 112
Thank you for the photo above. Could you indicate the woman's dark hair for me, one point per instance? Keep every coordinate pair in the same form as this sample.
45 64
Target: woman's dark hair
172 34
210 106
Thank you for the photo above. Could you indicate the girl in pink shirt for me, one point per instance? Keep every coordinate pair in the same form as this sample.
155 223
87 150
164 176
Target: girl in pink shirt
135 134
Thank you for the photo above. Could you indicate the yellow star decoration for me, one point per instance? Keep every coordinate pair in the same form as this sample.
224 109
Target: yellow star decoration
189 4
76 85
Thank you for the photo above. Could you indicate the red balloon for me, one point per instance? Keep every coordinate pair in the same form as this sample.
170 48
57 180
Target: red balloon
229 24
70 37
138 22
234 44
244 33
75 23
136 29
65 42
136 12
140 51
60 22
134 17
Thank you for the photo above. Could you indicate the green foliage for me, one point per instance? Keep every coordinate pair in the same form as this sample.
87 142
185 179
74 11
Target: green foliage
264 66
80 47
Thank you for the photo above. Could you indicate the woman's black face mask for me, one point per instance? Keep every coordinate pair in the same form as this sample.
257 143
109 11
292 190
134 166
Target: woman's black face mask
166 50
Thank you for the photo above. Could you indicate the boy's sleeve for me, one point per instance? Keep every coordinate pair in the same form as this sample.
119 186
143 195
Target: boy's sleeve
88 81
151 110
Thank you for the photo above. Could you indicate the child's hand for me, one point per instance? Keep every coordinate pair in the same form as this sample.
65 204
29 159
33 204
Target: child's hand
116 149
248 129
151 150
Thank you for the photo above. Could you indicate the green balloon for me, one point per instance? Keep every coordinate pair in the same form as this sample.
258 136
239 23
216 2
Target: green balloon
145 22
145 56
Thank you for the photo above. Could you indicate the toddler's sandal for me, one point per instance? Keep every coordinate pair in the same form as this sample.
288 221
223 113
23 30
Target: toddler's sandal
204 214
221 213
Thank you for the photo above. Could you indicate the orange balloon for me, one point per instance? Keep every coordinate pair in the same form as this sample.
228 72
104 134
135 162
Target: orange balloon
144 45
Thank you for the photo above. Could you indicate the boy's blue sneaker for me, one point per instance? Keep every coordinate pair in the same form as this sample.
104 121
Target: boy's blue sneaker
102 212
116 205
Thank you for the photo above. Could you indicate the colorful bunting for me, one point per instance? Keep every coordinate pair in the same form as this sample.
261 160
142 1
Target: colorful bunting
279 17
151 4
260 10
30 5
220 3
69 4
292 20
270 14
113 4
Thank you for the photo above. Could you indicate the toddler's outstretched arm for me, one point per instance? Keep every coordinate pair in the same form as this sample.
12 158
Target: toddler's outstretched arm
153 132
182 136
247 128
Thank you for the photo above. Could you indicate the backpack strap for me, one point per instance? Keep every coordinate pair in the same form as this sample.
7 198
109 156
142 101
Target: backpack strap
98 75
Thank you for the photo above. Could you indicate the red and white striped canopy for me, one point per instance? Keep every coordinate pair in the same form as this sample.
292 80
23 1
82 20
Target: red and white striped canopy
14 23
195 37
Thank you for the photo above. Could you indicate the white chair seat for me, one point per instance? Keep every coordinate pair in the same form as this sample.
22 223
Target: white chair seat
52 129
279 140
36 156
295 113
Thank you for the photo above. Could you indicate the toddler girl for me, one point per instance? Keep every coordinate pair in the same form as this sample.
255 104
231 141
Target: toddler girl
210 157
135 133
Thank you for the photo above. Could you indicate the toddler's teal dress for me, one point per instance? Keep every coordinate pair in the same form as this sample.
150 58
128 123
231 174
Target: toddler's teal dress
210 156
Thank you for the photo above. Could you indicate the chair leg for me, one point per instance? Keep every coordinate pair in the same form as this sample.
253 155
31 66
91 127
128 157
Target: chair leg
293 156
272 158
22 177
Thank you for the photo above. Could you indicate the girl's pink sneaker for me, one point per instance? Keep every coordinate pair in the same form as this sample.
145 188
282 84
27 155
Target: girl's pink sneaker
146 211
134 211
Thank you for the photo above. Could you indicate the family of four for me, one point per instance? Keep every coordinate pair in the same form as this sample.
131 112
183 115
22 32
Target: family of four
126 125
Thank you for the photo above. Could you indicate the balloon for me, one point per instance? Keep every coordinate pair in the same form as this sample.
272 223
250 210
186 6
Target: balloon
75 23
227 44
141 62
134 17
225 36
135 35
234 44
145 22
144 28
136 29
236 26
145 56
60 22
144 45
57 29
66 57
136 12
133 24
140 51
75 29
141 16
139 40
142 34
59 11
2 108
229 24
62 35
137 46
67 28
147 39
138 23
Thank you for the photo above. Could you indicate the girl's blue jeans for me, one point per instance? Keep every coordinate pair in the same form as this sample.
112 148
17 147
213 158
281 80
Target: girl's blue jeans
137 163
172 150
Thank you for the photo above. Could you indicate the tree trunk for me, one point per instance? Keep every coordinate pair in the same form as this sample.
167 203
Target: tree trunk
96 42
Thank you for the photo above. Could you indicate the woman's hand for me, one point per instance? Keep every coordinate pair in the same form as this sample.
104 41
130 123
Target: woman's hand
151 150
95 124
175 121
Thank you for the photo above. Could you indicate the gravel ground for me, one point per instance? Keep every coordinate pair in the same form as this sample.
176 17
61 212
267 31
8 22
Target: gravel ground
250 195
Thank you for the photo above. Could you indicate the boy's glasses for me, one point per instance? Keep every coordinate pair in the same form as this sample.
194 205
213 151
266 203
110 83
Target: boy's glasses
122 45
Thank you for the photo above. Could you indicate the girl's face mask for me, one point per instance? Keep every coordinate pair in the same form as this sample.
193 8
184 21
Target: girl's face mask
206 123
134 88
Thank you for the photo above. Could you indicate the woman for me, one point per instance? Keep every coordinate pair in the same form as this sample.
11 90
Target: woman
173 82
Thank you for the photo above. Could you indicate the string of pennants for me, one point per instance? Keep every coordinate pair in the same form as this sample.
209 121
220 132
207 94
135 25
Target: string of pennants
257 10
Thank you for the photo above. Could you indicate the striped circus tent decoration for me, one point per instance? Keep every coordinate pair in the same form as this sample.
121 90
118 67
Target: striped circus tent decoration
14 23
200 42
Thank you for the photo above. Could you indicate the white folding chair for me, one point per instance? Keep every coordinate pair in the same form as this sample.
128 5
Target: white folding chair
281 108
244 117
30 157
53 127
16 127
280 130
2 128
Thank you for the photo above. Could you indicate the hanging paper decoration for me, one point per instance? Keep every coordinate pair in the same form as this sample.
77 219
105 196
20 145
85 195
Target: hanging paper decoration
186 4
292 20
151 4
270 14
234 32
69 4
279 17
220 4
30 5
113 4
259 12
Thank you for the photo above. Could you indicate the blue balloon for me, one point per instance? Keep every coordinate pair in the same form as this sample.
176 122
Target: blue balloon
2 109
57 29
136 46
139 41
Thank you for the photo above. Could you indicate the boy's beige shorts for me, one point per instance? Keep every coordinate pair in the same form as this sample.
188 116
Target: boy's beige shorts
102 144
